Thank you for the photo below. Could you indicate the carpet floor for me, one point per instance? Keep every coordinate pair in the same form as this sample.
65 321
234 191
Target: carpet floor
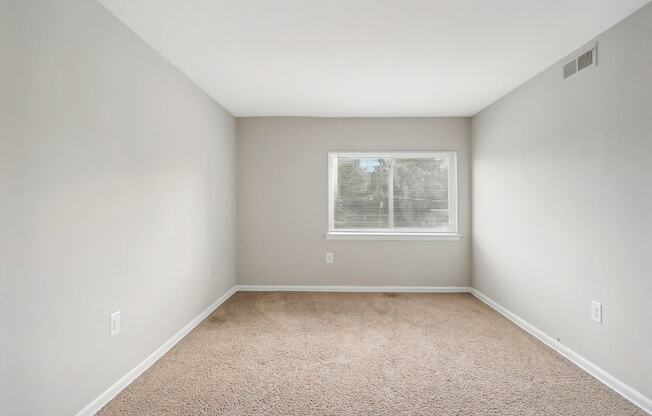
280 353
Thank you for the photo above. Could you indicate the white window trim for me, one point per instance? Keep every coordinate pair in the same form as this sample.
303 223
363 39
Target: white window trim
403 234
336 235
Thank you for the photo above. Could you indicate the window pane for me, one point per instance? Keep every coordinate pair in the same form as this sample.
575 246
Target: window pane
421 193
393 192
361 193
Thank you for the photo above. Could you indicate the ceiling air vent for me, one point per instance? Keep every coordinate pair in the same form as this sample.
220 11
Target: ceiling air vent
570 68
584 60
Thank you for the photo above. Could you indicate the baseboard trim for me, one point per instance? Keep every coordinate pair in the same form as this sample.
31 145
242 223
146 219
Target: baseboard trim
610 381
113 391
358 289
605 378
121 384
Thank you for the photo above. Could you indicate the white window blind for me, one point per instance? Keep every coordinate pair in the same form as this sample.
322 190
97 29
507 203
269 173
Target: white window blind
393 193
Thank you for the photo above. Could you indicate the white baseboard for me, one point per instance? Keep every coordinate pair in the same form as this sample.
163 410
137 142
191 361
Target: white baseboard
113 391
618 386
610 381
371 289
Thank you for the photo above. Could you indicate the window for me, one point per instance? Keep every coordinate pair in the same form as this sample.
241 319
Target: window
392 194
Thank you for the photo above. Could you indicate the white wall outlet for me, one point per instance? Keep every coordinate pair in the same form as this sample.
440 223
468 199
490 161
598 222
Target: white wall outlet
596 311
115 323
329 257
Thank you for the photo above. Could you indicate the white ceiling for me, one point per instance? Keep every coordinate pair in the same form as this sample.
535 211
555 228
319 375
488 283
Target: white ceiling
365 58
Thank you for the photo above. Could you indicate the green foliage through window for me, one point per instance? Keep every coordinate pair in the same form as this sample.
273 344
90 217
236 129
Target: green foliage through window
391 192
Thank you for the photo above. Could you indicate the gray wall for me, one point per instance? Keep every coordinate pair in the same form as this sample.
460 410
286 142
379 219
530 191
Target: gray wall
562 203
117 187
283 204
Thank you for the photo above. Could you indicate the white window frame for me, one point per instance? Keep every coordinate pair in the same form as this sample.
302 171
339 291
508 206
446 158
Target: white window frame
393 234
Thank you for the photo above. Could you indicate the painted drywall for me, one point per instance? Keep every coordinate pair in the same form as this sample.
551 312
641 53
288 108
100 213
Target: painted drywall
117 187
562 203
374 58
283 204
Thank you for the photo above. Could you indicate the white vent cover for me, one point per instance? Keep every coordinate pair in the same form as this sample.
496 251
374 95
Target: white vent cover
584 60
570 68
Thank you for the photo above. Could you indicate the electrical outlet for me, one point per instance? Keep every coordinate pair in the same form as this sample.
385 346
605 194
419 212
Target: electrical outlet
115 323
596 312
329 258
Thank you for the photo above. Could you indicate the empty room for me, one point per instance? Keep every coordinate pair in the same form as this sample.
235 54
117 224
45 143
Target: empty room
325 207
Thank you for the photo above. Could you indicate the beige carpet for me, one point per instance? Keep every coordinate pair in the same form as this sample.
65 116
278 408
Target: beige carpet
363 354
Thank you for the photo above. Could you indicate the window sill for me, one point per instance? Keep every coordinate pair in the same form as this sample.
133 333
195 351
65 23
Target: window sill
393 236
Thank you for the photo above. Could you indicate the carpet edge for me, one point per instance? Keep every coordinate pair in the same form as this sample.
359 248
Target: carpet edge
626 391
110 393
353 289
